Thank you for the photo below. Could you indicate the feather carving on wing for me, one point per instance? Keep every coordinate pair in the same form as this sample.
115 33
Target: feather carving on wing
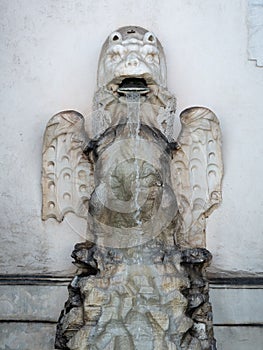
197 171
67 174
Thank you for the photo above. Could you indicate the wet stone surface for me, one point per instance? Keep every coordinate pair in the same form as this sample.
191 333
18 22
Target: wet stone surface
140 282
145 297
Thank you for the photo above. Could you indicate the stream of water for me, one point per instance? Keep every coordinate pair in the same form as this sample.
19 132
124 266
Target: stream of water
133 122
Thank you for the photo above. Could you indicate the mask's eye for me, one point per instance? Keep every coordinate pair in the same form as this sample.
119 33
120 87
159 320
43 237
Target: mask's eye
149 38
115 37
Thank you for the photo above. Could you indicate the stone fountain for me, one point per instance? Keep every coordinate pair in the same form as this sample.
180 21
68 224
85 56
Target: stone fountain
140 280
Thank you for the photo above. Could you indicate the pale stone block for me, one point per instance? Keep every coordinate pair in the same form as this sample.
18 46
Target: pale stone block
237 306
27 336
41 303
239 338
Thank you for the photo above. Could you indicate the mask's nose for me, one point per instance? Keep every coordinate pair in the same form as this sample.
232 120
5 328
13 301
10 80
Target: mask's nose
132 60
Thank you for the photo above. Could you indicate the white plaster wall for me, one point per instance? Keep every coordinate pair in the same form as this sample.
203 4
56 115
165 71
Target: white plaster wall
49 54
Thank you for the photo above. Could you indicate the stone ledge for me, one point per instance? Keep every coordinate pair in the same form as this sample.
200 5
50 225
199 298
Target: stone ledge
42 280
220 278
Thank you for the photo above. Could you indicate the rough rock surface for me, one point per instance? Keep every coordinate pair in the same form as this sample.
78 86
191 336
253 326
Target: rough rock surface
146 297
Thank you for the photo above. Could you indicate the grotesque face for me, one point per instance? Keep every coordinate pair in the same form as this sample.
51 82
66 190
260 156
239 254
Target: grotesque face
131 52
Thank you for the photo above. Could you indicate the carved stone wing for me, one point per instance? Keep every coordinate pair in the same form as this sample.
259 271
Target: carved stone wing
197 171
67 174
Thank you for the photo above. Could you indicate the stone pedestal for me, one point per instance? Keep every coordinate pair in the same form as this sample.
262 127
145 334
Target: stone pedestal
144 298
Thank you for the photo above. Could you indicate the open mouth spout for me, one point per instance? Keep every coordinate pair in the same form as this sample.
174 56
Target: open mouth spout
128 85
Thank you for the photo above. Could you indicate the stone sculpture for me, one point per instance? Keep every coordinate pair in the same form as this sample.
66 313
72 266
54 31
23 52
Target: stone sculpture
140 282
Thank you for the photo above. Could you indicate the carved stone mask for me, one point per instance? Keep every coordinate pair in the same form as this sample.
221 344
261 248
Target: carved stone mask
131 52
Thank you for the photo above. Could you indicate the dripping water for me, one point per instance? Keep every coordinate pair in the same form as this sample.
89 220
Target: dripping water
133 122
